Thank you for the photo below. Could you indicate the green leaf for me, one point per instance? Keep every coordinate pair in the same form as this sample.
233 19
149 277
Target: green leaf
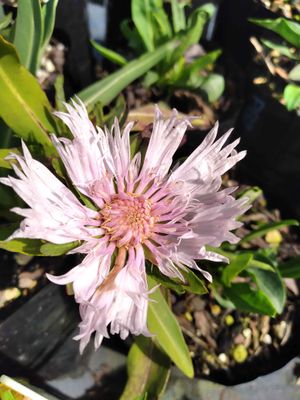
270 283
290 268
236 266
213 86
7 395
28 33
142 16
247 299
178 15
261 231
5 21
252 193
192 283
109 54
280 48
48 17
288 30
52 249
30 247
203 62
23 105
60 98
7 164
193 32
163 324
108 88
291 96
294 74
148 370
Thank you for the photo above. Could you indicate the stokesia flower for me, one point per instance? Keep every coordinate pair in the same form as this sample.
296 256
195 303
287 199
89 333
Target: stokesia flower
142 210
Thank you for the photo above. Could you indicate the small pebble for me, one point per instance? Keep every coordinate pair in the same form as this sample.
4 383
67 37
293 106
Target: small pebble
229 320
215 310
222 357
266 339
188 316
239 353
247 333
280 329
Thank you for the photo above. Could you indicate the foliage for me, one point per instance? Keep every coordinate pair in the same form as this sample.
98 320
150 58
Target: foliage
287 45
152 27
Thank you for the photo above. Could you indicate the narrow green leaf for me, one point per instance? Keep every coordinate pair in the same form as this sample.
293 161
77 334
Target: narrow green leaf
252 193
52 249
60 98
267 228
109 54
281 48
29 33
48 16
248 299
108 88
23 105
294 74
288 30
203 62
290 268
163 324
148 370
270 283
178 15
141 13
236 266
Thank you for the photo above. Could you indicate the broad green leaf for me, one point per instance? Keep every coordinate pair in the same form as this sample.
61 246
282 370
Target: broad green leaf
178 15
148 370
280 48
294 74
23 105
290 268
270 283
247 299
261 231
288 30
109 54
5 21
5 153
28 33
213 85
7 395
30 247
52 249
163 324
236 266
291 96
108 88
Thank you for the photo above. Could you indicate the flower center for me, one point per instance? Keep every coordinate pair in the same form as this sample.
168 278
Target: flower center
128 219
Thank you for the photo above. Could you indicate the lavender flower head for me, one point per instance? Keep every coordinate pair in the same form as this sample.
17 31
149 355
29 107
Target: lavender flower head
143 210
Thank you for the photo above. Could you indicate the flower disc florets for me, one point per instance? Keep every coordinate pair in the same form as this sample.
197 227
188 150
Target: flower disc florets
128 219
141 210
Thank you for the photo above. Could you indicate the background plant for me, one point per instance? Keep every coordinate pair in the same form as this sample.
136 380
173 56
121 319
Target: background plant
179 68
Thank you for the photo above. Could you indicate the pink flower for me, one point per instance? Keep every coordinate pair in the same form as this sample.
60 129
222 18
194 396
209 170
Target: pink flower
142 211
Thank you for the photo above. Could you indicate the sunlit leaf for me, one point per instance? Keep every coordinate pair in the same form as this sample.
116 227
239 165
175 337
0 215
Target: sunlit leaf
148 370
163 324
235 267
23 105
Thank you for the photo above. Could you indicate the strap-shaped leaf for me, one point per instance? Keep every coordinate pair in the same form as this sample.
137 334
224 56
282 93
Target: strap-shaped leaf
261 231
163 324
148 370
28 33
108 88
23 105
